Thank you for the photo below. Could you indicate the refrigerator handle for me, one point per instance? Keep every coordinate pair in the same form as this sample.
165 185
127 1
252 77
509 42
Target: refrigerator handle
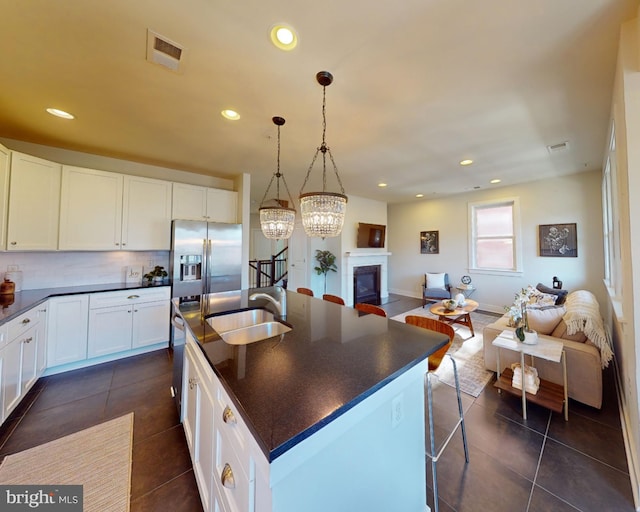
208 263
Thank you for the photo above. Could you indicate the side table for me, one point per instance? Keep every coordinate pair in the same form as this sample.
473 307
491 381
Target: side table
466 290
549 395
460 315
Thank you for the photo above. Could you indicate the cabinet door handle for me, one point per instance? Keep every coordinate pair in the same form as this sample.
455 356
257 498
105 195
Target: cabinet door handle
26 321
28 340
228 416
227 477
124 243
133 297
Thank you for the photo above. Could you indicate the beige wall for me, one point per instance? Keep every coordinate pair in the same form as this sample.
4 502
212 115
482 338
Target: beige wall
623 310
575 198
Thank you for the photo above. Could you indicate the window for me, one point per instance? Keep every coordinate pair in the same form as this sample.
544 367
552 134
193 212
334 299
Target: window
610 229
494 238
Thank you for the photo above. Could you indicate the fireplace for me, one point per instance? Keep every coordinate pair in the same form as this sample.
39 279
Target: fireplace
366 284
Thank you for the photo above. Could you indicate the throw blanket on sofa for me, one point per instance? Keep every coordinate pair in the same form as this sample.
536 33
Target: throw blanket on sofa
583 314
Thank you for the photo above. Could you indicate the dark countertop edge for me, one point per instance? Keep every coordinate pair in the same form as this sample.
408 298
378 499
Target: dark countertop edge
27 299
298 438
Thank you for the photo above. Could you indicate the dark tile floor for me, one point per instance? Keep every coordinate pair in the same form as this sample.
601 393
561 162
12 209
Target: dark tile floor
541 464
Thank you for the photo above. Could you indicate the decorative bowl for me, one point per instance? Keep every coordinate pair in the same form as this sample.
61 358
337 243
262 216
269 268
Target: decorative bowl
450 304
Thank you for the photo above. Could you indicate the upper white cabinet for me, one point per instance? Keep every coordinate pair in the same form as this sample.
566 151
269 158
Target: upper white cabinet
5 162
34 202
146 214
90 210
191 202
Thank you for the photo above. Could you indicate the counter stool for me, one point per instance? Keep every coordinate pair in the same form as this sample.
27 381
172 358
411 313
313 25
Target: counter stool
438 356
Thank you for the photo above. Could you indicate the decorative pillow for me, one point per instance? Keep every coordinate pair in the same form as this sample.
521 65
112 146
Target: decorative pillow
539 299
435 281
561 294
545 320
561 332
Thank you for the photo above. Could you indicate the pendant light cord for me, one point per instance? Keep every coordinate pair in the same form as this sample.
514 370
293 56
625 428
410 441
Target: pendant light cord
325 149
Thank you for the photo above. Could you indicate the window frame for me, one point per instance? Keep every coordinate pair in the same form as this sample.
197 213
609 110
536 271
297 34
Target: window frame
473 207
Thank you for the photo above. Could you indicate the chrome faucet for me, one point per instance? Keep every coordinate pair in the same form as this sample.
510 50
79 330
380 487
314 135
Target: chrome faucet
281 305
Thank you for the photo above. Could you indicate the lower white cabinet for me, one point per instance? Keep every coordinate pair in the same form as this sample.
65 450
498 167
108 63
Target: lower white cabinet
127 319
68 322
230 469
23 357
198 422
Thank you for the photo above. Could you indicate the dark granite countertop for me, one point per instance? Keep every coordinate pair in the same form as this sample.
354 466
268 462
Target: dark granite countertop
286 388
26 299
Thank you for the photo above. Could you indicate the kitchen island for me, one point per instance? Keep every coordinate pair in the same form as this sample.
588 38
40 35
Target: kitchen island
328 416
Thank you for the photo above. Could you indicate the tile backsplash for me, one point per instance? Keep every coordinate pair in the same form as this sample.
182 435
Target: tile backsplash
56 269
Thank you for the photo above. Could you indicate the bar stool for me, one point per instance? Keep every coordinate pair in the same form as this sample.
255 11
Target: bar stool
305 291
333 298
370 308
434 362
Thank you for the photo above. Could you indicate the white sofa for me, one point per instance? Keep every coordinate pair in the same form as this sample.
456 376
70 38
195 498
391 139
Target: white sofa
584 362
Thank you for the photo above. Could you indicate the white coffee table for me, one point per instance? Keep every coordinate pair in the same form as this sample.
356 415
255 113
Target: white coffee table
550 395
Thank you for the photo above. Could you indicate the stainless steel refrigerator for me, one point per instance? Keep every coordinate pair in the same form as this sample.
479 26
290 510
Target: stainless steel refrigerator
206 257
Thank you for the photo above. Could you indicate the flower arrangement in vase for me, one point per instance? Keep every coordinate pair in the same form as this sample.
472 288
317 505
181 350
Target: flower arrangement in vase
519 318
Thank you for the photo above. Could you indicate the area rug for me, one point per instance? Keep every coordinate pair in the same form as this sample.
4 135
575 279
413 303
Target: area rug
466 350
98 458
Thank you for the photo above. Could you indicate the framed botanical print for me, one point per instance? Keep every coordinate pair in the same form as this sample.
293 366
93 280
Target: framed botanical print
559 240
429 242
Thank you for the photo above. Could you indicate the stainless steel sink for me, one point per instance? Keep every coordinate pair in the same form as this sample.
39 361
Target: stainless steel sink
247 326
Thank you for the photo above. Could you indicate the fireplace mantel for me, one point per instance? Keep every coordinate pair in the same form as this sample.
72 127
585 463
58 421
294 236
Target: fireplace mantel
361 259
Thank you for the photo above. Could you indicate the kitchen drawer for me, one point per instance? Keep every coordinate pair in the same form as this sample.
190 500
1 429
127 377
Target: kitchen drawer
19 325
108 299
230 477
231 425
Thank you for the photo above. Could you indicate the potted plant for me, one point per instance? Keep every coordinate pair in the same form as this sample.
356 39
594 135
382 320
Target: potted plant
156 275
326 263
520 318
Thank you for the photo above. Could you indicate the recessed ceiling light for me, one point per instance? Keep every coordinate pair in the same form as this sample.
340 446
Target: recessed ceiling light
60 113
419 195
230 114
493 182
283 37
382 185
466 162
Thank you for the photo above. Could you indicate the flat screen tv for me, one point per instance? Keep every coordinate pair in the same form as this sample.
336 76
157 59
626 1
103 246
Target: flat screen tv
370 235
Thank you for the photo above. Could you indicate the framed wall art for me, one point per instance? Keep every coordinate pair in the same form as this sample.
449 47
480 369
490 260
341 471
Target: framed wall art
559 240
429 242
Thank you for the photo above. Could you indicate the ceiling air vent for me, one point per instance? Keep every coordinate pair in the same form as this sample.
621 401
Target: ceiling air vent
558 148
163 51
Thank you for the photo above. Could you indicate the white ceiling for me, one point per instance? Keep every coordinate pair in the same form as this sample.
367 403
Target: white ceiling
418 86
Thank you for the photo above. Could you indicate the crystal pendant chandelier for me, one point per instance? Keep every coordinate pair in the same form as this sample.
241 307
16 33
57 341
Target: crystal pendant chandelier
323 212
277 220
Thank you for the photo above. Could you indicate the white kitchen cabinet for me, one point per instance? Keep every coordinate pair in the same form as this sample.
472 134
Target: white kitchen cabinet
21 358
191 202
127 319
42 332
5 163
90 210
198 421
146 214
34 203
68 321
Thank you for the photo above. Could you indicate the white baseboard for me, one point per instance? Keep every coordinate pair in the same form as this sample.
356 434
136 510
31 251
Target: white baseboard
629 445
